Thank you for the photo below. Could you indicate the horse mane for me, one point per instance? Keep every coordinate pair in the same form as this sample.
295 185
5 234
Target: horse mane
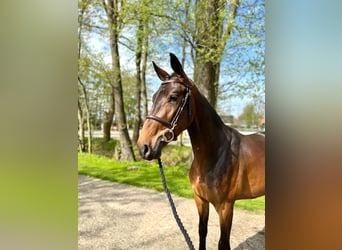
216 119
231 134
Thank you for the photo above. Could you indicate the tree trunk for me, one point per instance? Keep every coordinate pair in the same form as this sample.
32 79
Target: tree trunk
108 117
86 102
145 18
80 111
81 147
113 27
180 137
143 77
211 42
138 55
205 76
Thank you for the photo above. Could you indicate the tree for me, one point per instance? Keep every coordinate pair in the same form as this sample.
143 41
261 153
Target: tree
213 31
112 11
142 13
226 39
83 5
109 114
81 146
243 65
250 116
143 77
103 98
93 72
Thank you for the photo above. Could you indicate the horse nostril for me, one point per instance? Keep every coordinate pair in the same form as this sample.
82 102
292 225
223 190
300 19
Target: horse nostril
145 150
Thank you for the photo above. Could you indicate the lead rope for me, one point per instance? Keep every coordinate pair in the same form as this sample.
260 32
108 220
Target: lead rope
173 207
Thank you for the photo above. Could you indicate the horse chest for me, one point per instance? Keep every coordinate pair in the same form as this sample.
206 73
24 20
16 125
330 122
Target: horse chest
208 188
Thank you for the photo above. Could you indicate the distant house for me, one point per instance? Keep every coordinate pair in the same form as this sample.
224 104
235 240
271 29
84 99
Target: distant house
230 120
236 121
261 121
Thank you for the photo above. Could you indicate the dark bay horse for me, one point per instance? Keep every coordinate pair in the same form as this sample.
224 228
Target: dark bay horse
227 165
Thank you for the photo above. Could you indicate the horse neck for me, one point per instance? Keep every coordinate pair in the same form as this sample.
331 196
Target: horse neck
207 132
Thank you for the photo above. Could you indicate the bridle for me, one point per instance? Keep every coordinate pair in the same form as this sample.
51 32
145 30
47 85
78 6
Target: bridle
168 134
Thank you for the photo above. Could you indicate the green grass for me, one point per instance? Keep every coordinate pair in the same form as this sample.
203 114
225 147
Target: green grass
251 205
148 174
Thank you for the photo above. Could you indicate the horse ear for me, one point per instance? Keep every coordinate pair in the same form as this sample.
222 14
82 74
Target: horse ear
162 74
177 66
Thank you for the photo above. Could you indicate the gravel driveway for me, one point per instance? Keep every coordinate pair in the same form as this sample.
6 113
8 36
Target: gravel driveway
117 216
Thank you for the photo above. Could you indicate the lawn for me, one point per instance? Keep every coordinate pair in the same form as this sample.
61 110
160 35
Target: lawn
146 174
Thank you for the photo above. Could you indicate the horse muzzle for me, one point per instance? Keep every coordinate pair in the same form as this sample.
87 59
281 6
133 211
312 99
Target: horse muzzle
148 152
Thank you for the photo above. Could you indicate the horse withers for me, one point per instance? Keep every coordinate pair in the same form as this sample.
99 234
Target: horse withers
227 165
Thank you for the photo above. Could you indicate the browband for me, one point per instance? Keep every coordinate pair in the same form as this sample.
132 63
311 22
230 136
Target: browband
174 81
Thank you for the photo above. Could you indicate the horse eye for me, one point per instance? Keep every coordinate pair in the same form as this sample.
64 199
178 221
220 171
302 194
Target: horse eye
173 98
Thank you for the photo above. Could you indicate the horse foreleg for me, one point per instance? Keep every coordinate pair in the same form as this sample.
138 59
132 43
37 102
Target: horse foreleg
203 212
225 212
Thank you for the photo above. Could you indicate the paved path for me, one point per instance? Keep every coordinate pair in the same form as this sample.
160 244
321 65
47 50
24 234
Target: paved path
117 216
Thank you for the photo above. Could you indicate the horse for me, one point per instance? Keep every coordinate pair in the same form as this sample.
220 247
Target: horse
227 165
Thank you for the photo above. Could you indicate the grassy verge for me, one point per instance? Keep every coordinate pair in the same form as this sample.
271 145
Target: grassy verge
146 174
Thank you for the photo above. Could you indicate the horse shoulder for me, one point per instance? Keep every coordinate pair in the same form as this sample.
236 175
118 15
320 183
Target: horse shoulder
251 176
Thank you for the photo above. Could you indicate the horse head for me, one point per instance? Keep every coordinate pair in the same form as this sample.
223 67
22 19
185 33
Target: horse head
171 111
